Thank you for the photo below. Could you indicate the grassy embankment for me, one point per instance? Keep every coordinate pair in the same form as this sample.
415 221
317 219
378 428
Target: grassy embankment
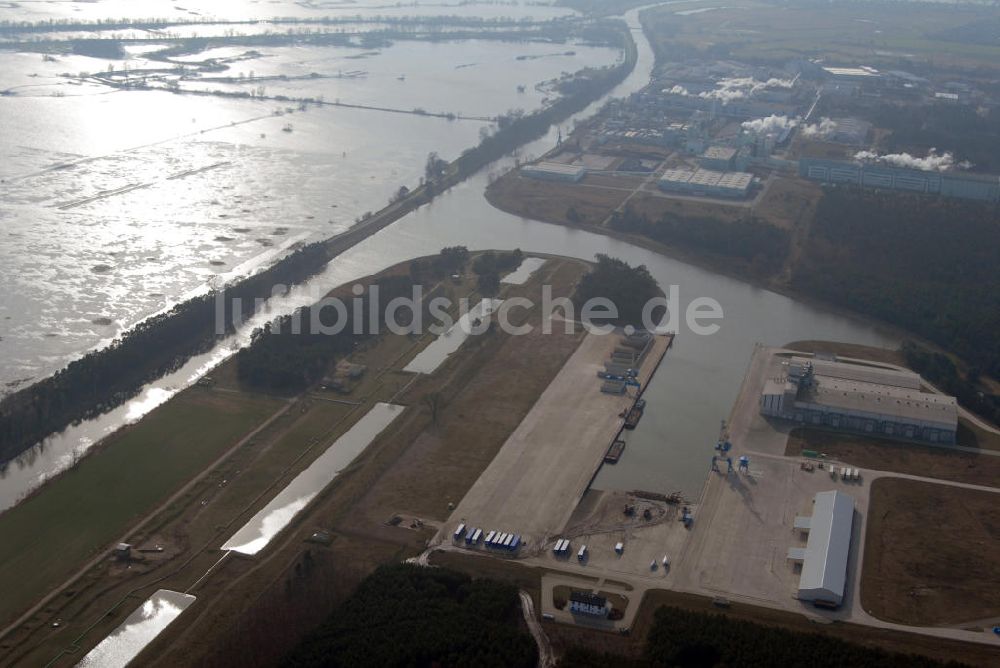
54 531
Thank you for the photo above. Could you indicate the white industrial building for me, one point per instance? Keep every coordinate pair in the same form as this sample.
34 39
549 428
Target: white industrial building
859 398
852 74
706 182
824 558
554 171
718 157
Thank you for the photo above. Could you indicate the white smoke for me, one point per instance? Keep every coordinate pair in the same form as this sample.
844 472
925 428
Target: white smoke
824 129
743 87
773 124
677 90
934 162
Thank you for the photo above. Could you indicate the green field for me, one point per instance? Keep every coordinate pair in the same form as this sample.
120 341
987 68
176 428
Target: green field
51 534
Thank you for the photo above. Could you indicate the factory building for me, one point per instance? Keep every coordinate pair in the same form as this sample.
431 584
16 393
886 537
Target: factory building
706 182
861 399
554 171
824 558
719 158
980 187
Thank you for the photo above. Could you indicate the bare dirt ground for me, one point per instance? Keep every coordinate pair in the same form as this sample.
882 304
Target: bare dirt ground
654 206
884 455
941 649
551 201
789 202
886 355
932 553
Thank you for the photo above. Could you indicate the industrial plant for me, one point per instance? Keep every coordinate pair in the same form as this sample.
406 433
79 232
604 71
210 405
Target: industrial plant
859 398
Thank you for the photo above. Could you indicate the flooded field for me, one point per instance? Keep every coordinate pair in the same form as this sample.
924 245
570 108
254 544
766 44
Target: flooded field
118 203
197 10
275 516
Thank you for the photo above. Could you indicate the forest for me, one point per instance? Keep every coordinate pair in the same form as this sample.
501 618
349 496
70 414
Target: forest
629 288
926 265
753 245
295 351
967 133
942 372
408 615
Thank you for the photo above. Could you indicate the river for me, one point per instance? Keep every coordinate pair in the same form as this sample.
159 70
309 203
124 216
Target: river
688 397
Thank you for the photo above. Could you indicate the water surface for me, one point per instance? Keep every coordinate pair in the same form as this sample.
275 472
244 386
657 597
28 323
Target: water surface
138 630
468 324
275 516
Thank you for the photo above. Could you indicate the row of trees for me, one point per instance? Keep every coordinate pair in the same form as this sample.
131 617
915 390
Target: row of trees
407 615
107 377
588 87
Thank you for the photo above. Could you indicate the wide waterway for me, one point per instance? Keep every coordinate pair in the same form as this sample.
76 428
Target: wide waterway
690 394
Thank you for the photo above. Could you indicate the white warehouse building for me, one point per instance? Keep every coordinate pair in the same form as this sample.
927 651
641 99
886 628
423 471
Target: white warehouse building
554 171
825 556
859 398
706 182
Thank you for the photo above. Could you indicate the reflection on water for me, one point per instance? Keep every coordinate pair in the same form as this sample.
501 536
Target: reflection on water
153 397
138 630
521 275
251 9
117 206
265 525
473 322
